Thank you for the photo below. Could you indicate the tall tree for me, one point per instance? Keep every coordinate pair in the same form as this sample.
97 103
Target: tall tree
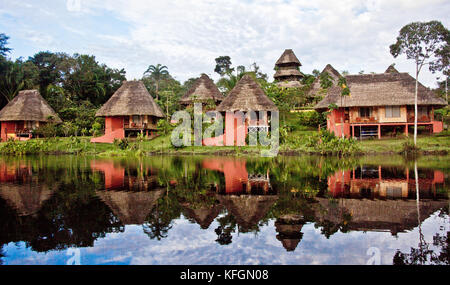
223 65
3 43
157 73
427 43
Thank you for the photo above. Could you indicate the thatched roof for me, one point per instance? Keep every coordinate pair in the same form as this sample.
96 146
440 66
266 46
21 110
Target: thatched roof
385 89
289 230
315 87
132 98
248 209
287 72
203 90
25 199
28 105
288 57
203 216
391 69
132 208
378 215
247 95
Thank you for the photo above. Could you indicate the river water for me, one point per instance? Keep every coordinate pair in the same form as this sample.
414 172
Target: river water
224 210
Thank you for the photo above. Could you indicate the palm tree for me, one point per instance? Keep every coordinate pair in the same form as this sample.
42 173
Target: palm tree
157 73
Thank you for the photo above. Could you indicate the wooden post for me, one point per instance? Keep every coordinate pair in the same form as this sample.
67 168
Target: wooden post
353 131
379 131
406 130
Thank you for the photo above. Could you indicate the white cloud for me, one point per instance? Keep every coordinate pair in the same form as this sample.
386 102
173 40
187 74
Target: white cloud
187 35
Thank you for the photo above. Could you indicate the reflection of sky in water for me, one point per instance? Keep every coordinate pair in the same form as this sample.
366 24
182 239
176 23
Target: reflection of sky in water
188 244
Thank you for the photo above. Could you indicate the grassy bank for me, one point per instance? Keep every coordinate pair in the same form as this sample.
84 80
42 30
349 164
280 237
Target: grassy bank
301 141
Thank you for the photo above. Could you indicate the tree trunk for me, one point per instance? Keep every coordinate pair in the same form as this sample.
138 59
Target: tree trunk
157 90
415 105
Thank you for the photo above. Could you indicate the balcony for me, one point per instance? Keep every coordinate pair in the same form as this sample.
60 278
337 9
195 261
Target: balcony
138 126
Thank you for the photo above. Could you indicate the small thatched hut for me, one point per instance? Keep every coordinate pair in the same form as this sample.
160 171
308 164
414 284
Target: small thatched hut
27 111
289 230
248 210
288 70
132 208
379 104
246 96
203 91
203 216
316 90
129 111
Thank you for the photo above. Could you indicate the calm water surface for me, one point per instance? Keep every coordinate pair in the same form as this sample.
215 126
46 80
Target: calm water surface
223 210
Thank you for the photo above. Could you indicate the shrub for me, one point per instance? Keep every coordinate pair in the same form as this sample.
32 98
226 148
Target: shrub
311 118
122 144
408 147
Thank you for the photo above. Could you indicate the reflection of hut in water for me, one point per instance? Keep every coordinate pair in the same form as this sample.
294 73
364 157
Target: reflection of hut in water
203 216
237 179
129 193
384 183
20 190
132 208
247 209
289 230
116 178
25 199
377 215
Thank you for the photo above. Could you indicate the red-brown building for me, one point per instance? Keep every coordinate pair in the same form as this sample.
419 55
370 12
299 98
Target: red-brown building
129 111
26 112
379 105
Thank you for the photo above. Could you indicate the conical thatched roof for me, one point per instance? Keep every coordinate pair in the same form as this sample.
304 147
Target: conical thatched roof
316 88
28 105
202 90
385 89
247 209
247 95
132 208
287 57
391 69
203 216
289 230
25 199
132 98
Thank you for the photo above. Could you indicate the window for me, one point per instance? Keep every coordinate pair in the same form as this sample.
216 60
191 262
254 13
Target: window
422 111
392 112
364 112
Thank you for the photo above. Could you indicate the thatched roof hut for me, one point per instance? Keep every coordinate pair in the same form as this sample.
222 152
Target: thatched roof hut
288 57
132 98
248 209
391 69
26 199
132 208
377 215
202 91
316 89
385 89
203 216
289 230
247 95
28 105
288 70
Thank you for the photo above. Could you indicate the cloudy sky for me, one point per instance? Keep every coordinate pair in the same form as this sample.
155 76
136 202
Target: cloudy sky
188 35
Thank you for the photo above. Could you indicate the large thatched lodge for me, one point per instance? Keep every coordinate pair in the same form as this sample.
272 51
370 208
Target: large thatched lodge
378 104
130 110
23 114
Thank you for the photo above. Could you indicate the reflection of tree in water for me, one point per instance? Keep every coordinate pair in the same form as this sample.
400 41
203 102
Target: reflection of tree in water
159 221
227 225
423 254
